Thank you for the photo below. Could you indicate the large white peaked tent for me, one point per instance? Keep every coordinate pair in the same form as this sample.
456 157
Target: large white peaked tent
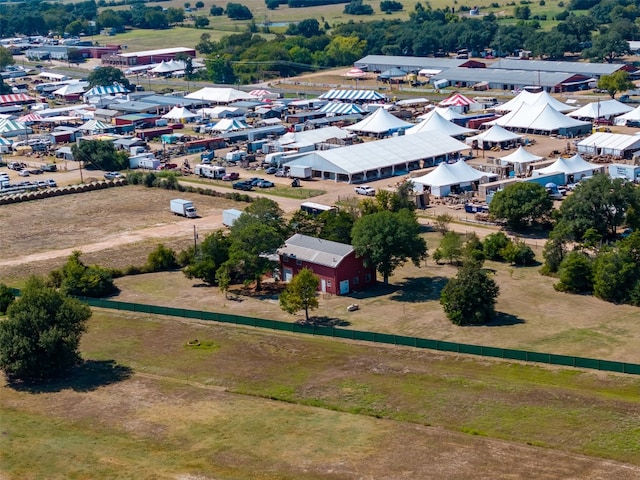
606 109
543 118
379 122
574 168
447 113
179 113
446 177
632 116
534 99
520 159
495 135
434 122
220 95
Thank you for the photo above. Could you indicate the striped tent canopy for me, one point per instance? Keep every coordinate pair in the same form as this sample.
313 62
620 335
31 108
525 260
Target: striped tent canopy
364 95
5 142
11 128
107 90
337 108
95 126
456 100
31 117
260 93
16 98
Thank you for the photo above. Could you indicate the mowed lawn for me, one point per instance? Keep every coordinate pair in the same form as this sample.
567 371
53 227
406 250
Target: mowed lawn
254 404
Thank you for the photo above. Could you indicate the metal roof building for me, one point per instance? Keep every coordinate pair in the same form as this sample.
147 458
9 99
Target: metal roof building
380 63
589 69
501 79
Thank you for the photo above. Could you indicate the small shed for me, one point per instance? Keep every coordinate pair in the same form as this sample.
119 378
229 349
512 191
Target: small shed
340 271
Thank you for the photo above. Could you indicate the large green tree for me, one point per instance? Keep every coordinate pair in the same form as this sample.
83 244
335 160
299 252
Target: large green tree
470 297
616 82
301 293
521 204
101 155
387 240
211 255
607 47
104 76
5 58
40 338
450 248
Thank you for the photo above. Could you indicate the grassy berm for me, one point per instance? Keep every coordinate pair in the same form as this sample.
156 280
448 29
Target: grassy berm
162 398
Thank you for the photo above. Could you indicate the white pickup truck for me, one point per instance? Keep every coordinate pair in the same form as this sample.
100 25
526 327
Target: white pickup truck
366 190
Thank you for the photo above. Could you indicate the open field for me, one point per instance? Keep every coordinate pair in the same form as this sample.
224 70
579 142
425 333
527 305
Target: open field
167 410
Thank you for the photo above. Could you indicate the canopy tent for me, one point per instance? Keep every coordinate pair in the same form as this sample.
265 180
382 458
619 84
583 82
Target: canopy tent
429 72
11 128
261 93
355 73
5 145
632 116
574 168
70 89
307 139
520 159
445 112
220 112
542 118
358 95
434 122
228 125
337 108
163 67
495 135
95 126
391 156
30 118
606 109
534 99
393 72
379 122
615 144
446 178
457 100
413 102
166 67
220 95
179 113
16 98
106 90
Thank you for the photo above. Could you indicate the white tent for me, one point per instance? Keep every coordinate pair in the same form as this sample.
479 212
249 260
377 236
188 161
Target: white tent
72 89
434 122
219 95
603 143
308 139
93 126
541 118
447 113
632 116
606 109
534 99
379 122
220 112
494 135
163 67
445 176
228 125
574 168
179 113
520 159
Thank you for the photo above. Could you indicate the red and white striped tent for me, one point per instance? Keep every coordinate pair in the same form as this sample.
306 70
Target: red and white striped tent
29 118
16 98
456 100
355 73
260 93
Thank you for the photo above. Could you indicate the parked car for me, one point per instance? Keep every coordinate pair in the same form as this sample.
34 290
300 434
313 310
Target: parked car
365 190
243 185
626 233
51 183
112 175
281 173
42 184
271 170
231 176
35 171
255 181
265 184
24 173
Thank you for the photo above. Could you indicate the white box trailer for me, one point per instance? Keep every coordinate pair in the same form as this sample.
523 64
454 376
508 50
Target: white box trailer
229 216
300 171
183 208
209 171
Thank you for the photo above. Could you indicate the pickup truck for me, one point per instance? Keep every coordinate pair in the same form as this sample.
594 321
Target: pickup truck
365 190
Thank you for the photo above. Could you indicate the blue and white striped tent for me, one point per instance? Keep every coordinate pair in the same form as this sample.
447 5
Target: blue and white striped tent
12 128
357 95
337 108
106 90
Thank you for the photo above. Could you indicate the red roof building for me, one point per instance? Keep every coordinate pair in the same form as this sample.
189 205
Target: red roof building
340 271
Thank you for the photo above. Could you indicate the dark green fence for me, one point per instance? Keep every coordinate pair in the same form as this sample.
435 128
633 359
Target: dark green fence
550 358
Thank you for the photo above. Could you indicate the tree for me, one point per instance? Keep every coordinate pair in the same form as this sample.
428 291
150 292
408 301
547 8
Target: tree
223 277
390 6
356 7
237 11
344 50
105 76
450 248
212 254
521 204
40 338
161 259
301 293
575 274
442 222
6 298
216 11
75 56
607 46
387 240
517 252
5 58
76 278
493 245
199 4
100 154
616 82
307 28
522 12
200 21
470 297
336 226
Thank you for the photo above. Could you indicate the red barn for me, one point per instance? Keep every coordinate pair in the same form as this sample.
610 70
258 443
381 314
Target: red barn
340 271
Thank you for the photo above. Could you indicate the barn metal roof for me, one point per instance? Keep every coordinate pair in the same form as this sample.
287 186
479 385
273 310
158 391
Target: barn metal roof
507 77
315 250
590 69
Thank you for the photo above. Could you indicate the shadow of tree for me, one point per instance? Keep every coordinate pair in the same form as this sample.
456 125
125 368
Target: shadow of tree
87 376
421 289
324 321
378 290
504 319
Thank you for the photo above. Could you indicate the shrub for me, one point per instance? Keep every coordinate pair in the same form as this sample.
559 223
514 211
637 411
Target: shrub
470 297
494 244
356 7
575 273
6 298
161 259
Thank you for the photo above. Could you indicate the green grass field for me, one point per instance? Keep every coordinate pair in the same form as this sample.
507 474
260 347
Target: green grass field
210 410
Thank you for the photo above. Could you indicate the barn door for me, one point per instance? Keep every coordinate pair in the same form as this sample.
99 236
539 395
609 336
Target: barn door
344 287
